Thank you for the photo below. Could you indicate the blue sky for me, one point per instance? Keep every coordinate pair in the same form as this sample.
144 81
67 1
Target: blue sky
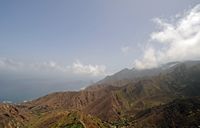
90 30
86 39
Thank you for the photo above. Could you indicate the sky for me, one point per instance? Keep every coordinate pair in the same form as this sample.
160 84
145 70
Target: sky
50 45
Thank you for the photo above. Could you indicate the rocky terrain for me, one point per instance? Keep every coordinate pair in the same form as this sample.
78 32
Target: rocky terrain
163 97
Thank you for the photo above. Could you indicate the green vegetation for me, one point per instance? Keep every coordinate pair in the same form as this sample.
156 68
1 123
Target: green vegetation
65 119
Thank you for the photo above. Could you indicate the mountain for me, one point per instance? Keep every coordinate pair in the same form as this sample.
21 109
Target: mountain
181 81
126 75
117 100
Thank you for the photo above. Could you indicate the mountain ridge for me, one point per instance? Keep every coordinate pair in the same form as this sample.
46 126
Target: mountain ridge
112 104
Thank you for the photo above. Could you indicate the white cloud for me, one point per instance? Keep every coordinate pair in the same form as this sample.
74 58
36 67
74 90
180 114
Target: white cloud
89 69
149 60
125 49
77 68
177 41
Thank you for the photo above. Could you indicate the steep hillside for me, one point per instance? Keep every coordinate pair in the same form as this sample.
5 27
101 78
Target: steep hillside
129 75
181 80
181 113
12 116
120 78
108 105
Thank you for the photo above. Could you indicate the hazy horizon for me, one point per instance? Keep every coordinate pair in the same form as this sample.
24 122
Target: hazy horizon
48 46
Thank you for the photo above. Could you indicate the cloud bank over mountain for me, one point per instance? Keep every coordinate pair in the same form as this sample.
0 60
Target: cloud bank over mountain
94 70
177 40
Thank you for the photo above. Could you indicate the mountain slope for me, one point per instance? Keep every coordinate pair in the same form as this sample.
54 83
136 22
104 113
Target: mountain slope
110 104
181 113
128 75
65 119
12 116
181 80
